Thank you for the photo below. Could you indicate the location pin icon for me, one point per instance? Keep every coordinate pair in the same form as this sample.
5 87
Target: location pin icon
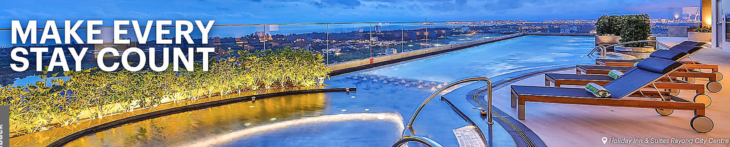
604 139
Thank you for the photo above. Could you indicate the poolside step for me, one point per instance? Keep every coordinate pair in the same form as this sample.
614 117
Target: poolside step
468 137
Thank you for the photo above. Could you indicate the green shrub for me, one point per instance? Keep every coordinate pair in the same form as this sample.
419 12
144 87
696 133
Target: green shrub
635 28
702 29
608 25
37 107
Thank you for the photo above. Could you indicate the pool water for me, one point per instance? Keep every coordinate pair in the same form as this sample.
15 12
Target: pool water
527 53
374 115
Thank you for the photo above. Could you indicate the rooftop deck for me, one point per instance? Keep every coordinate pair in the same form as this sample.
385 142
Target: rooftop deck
583 125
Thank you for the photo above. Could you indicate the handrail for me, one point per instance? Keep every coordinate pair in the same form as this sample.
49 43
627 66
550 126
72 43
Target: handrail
489 100
604 48
415 138
418 110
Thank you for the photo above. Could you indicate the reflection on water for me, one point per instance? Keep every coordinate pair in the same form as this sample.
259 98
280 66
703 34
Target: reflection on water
194 125
328 130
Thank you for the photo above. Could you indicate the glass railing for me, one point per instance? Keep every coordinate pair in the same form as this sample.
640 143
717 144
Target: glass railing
338 43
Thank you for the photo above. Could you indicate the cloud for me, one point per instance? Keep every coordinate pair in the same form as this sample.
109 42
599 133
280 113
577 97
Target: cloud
297 11
348 4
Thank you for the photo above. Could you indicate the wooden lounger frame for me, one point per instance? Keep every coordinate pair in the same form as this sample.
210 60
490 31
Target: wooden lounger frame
698 88
668 102
711 76
699 108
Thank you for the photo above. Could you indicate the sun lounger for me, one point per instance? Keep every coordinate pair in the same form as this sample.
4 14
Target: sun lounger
686 46
692 65
688 72
673 86
679 48
631 84
598 75
687 75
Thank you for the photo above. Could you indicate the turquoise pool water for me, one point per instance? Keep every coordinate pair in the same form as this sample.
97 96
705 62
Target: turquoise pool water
374 115
513 56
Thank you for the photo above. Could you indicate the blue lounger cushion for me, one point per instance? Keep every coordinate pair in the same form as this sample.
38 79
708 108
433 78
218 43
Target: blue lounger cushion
668 54
658 65
692 43
552 91
686 49
640 76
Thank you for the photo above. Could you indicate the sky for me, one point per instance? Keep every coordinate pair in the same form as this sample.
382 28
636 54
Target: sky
311 11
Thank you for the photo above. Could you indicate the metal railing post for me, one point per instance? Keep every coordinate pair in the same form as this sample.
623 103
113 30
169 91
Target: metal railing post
489 101
402 37
327 52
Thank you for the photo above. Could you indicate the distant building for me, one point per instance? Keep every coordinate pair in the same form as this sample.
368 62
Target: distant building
567 30
391 51
216 41
684 13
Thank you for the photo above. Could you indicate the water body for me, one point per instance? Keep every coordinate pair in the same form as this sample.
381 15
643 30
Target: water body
372 116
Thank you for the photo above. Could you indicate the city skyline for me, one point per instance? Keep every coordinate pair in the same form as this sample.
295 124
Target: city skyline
307 11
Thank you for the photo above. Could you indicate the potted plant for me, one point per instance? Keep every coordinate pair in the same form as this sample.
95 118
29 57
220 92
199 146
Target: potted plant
702 33
635 28
608 30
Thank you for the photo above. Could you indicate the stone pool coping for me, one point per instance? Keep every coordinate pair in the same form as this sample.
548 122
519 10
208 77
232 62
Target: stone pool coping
522 135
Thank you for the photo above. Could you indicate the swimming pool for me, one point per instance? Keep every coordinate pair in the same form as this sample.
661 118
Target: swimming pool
372 116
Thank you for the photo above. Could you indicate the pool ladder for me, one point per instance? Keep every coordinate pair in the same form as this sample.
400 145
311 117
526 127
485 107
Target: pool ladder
415 138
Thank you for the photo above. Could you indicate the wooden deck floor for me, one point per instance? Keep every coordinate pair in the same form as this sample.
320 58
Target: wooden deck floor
581 125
